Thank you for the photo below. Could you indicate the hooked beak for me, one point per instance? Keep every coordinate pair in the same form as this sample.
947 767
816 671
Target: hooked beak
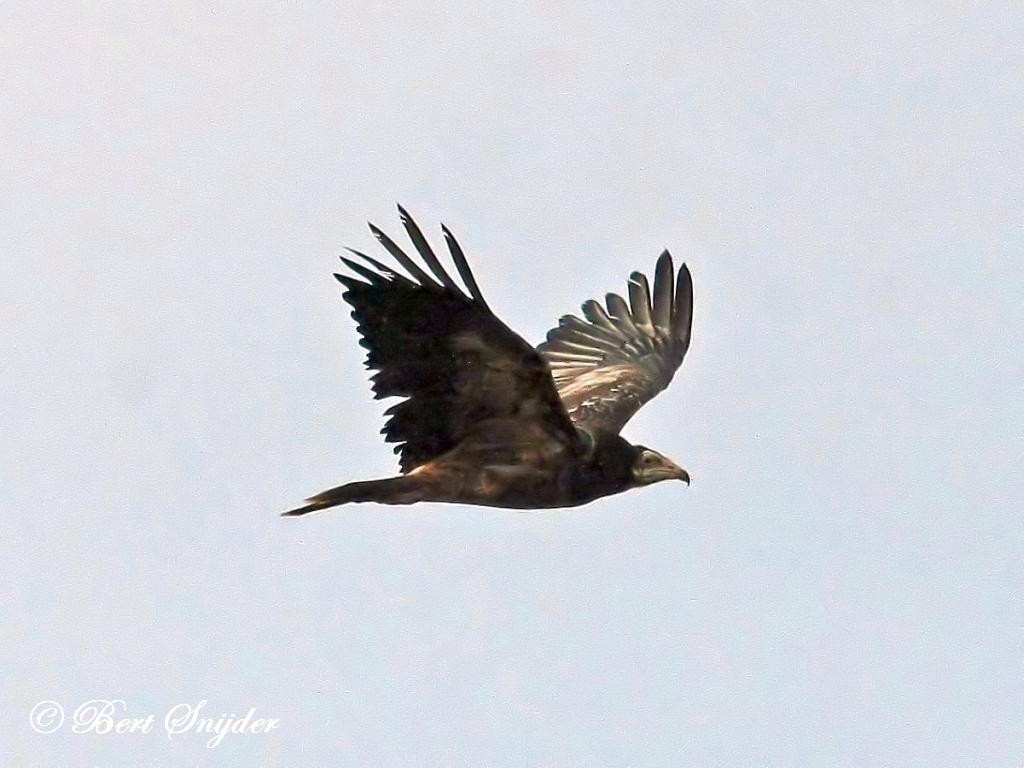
680 474
668 470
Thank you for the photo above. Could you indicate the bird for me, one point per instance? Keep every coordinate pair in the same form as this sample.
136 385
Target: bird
487 419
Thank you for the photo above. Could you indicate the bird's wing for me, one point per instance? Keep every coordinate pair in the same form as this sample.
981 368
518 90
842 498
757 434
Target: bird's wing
608 365
457 364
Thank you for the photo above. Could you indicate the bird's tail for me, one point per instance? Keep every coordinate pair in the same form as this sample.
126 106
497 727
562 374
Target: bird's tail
404 489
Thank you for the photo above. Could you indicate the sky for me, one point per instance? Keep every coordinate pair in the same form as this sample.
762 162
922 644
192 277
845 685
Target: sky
841 585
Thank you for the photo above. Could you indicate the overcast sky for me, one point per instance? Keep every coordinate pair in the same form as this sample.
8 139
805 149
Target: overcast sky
840 586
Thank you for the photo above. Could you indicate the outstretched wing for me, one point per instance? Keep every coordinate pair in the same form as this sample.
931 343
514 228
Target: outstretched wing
607 366
457 364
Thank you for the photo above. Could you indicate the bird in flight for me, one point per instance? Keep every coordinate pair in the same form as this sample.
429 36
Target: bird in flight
488 419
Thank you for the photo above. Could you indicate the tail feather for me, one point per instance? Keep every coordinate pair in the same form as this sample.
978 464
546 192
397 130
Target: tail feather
403 489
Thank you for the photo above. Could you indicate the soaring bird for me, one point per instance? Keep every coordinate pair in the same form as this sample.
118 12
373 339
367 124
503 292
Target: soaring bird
488 419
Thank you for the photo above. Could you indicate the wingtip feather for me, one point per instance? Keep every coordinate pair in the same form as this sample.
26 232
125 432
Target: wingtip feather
426 252
640 301
664 280
682 319
462 265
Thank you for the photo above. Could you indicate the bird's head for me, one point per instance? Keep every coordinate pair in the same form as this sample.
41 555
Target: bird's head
651 467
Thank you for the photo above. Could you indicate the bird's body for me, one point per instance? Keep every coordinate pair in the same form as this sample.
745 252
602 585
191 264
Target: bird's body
494 470
489 420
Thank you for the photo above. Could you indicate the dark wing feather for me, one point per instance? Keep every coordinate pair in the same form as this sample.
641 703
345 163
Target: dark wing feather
463 266
456 363
607 366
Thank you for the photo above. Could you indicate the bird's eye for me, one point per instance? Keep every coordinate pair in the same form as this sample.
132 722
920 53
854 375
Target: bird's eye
648 458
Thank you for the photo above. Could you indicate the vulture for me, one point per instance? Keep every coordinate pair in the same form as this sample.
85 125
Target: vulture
488 419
